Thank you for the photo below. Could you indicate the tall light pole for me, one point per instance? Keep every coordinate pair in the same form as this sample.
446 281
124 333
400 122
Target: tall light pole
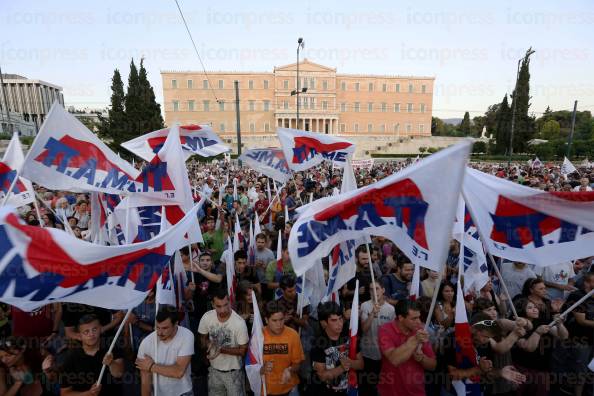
298 90
511 134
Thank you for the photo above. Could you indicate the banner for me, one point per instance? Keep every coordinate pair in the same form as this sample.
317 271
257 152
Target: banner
65 155
523 224
415 208
304 150
22 192
567 167
195 139
268 161
363 163
39 266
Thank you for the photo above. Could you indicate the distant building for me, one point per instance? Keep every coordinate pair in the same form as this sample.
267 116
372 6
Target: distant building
32 99
89 117
15 122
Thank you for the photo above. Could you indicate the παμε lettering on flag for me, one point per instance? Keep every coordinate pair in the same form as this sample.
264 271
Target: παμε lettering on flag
22 191
39 266
415 208
306 149
268 161
195 139
65 155
523 224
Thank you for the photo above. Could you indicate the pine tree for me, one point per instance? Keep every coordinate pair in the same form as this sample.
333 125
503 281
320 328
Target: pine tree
524 125
502 127
113 128
152 110
465 126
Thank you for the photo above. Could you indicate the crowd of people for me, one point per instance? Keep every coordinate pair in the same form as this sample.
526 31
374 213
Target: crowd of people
199 346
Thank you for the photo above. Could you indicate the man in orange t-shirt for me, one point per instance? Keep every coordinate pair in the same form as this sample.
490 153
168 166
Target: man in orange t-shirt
283 352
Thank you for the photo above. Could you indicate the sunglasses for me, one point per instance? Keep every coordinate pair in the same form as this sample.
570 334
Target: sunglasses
487 323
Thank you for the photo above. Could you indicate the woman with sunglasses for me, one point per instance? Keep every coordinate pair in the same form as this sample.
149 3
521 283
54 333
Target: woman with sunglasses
532 352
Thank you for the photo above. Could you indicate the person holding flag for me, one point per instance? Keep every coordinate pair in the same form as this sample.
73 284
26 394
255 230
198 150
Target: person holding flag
283 352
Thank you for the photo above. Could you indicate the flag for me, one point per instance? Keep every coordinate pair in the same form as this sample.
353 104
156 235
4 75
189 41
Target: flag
466 355
165 290
316 284
304 150
252 246
194 139
254 359
268 161
352 387
237 236
342 267
257 227
415 283
567 167
278 274
523 224
98 224
12 162
585 163
65 155
235 194
230 270
415 208
39 266
536 163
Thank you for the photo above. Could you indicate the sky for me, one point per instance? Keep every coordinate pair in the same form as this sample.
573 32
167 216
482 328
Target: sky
470 47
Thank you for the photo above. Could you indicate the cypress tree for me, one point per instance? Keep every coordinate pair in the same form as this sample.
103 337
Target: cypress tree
151 109
502 127
465 127
133 103
113 128
524 124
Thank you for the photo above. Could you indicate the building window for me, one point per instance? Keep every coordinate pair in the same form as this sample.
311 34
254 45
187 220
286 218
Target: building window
408 128
222 127
356 87
356 127
175 105
221 84
174 84
266 127
370 87
397 88
370 107
357 107
312 103
396 128
206 105
410 88
305 102
265 84
324 105
286 84
342 128
312 83
409 107
221 105
325 85
303 83
384 107
383 128
422 107
190 84
421 128
396 107
343 107
266 105
369 128
343 86
204 84
252 127
286 105
190 105
423 88
251 84
384 87
252 104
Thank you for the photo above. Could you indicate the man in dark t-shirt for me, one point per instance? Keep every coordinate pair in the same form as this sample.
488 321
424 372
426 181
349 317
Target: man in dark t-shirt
82 366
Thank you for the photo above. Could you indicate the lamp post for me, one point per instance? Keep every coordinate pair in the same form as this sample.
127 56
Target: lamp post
511 134
298 90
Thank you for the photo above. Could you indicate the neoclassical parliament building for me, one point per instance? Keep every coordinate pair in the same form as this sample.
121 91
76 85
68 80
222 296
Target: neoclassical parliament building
340 104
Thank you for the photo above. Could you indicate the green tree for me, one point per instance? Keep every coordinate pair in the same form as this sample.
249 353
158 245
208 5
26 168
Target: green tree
502 127
134 104
524 125
437 127
465 126
113 129
479 147
551 130
152 119
490 118
478 123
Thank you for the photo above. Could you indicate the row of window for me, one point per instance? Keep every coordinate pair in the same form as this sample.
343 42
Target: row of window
306 104
370 128
310 83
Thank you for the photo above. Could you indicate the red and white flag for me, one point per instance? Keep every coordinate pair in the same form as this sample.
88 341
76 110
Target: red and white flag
306 149
414 293
22 190
415 208
254 358
352 387
230 271
268 161
523 224
195 139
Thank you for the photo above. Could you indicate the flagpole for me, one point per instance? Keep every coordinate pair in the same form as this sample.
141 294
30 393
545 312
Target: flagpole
36 205
482 237
434 299
113 342
574 306
264 384
155 378
191 262
374 294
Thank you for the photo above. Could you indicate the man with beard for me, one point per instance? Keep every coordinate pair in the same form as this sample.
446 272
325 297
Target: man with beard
397 284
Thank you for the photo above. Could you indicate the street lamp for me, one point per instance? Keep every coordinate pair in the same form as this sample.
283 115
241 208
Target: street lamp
511 135
297 91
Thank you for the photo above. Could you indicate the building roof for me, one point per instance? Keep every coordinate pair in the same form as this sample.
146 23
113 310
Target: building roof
16 79
13 76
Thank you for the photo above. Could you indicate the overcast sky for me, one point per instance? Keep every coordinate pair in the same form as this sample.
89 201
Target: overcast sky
470 47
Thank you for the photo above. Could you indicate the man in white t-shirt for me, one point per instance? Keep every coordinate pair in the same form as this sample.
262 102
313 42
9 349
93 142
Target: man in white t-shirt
224 335
171 362
558 279
515 275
